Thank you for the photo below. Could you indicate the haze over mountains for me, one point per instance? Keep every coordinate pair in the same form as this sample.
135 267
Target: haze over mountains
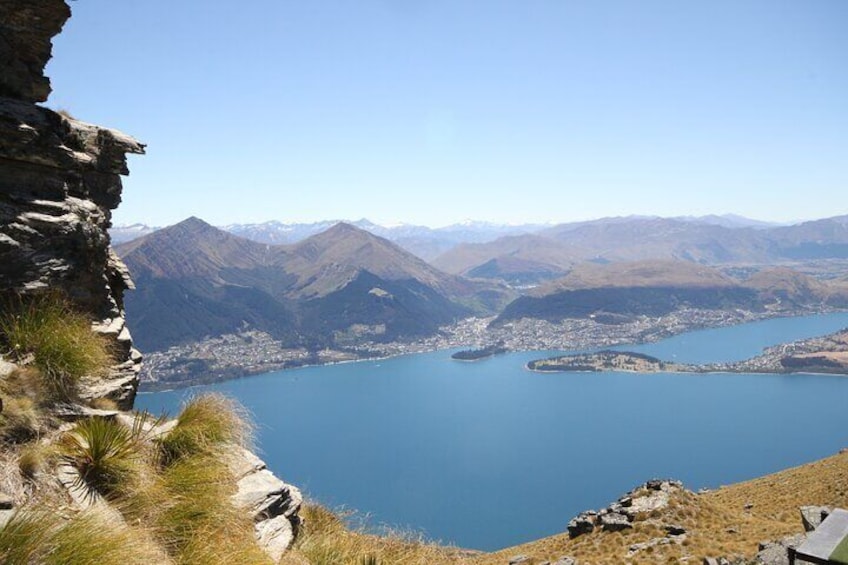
423 241
344 284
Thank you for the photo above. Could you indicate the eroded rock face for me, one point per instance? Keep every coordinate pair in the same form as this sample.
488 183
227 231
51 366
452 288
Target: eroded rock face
26 31
59 182
273 504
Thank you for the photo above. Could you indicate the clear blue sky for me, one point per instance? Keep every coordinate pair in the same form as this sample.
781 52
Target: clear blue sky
435 111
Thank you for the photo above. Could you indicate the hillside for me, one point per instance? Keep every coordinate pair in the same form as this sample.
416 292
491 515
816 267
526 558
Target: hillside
656 288
552 250
521 259
728 522
196 280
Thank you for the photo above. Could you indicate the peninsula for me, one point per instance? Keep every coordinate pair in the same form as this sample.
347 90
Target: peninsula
826 354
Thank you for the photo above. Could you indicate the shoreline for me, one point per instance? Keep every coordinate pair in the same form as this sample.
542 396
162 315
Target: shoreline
579 334
818 355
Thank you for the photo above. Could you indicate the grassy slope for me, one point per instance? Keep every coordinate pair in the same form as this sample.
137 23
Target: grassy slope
726 522
718 523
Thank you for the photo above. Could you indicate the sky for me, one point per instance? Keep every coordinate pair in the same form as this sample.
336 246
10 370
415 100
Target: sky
434 111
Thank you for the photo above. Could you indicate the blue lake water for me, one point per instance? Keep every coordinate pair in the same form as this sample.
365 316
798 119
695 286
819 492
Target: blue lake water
487 455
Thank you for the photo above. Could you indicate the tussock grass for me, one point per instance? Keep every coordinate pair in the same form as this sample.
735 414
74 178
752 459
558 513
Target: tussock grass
104 452
718 523
58 337
183 487
43 538
205 423
35 458
22 418
325 539
174 493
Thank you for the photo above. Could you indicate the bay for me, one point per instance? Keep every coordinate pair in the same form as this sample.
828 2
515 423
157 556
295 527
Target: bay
487 455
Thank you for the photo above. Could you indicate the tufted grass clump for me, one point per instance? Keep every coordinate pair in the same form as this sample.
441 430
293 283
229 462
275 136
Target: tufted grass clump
199 524
21 418
41 537
325 539
104 453
205 423
58 337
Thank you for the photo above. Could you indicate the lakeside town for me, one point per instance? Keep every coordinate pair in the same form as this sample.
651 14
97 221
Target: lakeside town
251 352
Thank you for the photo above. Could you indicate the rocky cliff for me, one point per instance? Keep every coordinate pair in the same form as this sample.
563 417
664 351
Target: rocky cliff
60 179
59 182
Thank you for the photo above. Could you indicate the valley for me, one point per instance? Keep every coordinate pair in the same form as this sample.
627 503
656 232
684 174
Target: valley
212 305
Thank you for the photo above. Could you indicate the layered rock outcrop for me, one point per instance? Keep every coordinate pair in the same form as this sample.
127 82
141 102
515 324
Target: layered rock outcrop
59 182
60 179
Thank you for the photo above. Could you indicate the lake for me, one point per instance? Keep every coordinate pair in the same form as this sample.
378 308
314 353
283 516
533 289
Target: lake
486 455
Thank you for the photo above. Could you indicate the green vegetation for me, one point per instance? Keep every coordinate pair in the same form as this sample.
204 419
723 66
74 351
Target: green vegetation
39 537
104 452
205 423
57 336
173 493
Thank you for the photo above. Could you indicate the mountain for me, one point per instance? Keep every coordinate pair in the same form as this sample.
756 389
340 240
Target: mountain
705 240
727 221
519 260
423 241
123 234
196 280
618 291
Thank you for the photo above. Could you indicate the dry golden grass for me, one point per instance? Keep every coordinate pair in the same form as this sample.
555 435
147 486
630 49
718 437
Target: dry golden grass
717 522
324 539
38 536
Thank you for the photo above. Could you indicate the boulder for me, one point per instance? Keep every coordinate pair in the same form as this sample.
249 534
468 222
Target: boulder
518 560
275 536
583 523
776 552
614 522
566 561
272 503
675 530
265 496
812 516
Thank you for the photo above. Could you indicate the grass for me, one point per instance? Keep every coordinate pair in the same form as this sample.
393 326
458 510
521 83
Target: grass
205 423
718 523
34 458
104 452
173 492
43 538
182 488
22 418
325 539
59 339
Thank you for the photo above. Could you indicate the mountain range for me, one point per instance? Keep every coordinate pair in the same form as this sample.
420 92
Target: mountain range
426 242
345 285
196 280
550 253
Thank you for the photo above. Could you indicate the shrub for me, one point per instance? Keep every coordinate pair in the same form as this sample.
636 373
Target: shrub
60 339
103 452
206 422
